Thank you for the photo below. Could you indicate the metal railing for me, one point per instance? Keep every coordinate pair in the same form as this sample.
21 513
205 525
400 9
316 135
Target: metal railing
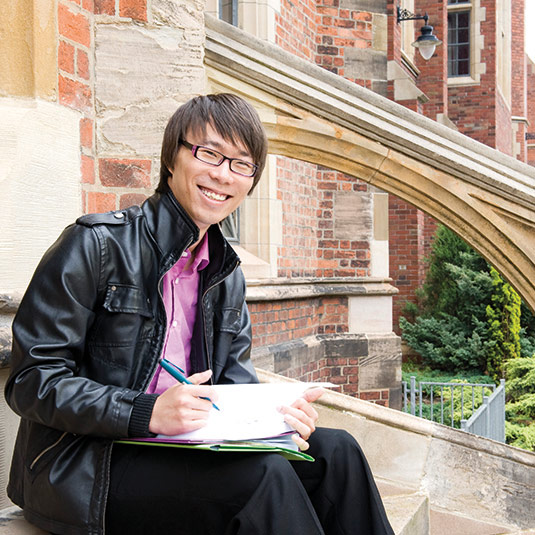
489 420
471 410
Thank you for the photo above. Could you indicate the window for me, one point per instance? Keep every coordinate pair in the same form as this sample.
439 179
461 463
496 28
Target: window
228 11
458 42
230 227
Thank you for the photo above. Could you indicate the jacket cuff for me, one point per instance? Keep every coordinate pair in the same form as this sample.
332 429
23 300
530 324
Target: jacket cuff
140 417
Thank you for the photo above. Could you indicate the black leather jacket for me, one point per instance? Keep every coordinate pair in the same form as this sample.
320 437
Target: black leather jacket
86 342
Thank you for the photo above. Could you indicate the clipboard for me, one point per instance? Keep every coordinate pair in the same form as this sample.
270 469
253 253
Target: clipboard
248 421
229 447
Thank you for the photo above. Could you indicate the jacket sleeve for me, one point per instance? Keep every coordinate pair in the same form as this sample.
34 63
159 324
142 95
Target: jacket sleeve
49 342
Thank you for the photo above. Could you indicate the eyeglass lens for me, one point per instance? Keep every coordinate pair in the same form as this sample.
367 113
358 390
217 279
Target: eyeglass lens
213 157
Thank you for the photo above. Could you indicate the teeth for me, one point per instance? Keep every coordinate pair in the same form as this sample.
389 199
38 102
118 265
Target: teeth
213 195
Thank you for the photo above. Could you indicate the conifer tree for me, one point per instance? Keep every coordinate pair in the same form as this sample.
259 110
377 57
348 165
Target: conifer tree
503 316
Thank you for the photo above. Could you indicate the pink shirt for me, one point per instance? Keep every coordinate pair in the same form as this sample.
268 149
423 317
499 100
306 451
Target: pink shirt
180 293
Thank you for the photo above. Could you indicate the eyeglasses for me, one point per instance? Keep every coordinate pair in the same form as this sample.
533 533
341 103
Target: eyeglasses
215 158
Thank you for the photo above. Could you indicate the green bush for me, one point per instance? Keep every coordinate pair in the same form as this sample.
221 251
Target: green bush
503 316
467 317
520 436
520 406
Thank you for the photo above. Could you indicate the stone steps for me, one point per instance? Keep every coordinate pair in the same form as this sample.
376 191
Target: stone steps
410 513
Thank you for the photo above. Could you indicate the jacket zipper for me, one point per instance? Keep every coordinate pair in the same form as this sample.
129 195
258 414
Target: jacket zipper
47 449
165 316
208 356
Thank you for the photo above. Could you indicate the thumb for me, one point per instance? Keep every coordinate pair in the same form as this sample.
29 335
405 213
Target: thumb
199 378
313 394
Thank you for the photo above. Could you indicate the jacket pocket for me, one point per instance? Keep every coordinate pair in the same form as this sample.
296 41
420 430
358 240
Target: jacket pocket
45 448
124 319
126 298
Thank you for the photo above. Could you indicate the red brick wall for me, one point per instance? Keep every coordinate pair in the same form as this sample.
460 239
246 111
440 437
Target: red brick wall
519 75
473 108
433 80
296 27
278 322
297 189
340 29
103 181
407 250
530 135
338 258
342 371
307 191
275 322
75 81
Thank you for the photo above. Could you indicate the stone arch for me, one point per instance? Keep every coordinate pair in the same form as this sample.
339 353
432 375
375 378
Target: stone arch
487 198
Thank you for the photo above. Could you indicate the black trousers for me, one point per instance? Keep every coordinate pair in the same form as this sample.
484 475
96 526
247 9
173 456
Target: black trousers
183 492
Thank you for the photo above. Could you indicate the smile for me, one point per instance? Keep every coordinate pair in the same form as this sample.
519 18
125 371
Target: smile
213 195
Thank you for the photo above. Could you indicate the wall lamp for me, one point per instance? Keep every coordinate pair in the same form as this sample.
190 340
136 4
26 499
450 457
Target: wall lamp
427 42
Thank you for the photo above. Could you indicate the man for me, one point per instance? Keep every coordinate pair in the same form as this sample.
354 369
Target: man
115 293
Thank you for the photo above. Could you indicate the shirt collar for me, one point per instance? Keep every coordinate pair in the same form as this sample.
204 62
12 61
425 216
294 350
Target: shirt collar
202 256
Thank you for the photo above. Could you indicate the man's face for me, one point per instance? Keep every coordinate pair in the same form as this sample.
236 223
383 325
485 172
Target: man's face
209 193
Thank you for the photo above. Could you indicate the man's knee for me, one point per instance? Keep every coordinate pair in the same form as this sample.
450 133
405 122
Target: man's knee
274 466
325 441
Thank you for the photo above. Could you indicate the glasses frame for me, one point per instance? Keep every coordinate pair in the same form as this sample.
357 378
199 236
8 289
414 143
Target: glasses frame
195 148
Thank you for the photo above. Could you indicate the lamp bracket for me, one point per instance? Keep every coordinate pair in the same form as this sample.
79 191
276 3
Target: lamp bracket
405 14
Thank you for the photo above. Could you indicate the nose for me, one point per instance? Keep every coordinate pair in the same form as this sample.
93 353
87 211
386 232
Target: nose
222 172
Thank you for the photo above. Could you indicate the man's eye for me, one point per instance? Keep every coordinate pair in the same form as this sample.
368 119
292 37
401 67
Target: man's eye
210 154
243 166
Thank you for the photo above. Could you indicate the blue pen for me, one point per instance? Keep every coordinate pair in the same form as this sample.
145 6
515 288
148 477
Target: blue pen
178 374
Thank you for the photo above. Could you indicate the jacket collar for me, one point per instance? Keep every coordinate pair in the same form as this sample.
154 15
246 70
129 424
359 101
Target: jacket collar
174 231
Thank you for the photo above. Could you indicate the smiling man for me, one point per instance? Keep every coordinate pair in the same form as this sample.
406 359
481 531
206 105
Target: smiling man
113 295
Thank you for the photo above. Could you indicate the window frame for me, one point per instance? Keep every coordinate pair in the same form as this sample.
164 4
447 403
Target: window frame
477 41
460 44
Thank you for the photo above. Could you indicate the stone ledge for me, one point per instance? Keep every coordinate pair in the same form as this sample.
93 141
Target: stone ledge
9 303
12 522
283 289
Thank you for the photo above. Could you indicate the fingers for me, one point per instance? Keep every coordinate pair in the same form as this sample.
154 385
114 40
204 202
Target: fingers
302 444
301 423
182 408
199 378
303 405
302 416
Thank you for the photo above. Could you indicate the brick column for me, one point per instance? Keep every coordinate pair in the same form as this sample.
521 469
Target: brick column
433 78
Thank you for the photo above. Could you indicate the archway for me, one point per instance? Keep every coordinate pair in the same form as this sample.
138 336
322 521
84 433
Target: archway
487 198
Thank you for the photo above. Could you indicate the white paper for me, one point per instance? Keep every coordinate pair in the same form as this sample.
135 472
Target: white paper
248 412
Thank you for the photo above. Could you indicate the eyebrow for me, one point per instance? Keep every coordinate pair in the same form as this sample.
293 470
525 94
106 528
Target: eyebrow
218 146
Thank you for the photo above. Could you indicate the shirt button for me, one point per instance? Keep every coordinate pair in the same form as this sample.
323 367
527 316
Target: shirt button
175 323
176 280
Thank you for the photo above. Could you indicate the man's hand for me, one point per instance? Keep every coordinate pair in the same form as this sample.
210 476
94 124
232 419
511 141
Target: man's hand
302 416
180 408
